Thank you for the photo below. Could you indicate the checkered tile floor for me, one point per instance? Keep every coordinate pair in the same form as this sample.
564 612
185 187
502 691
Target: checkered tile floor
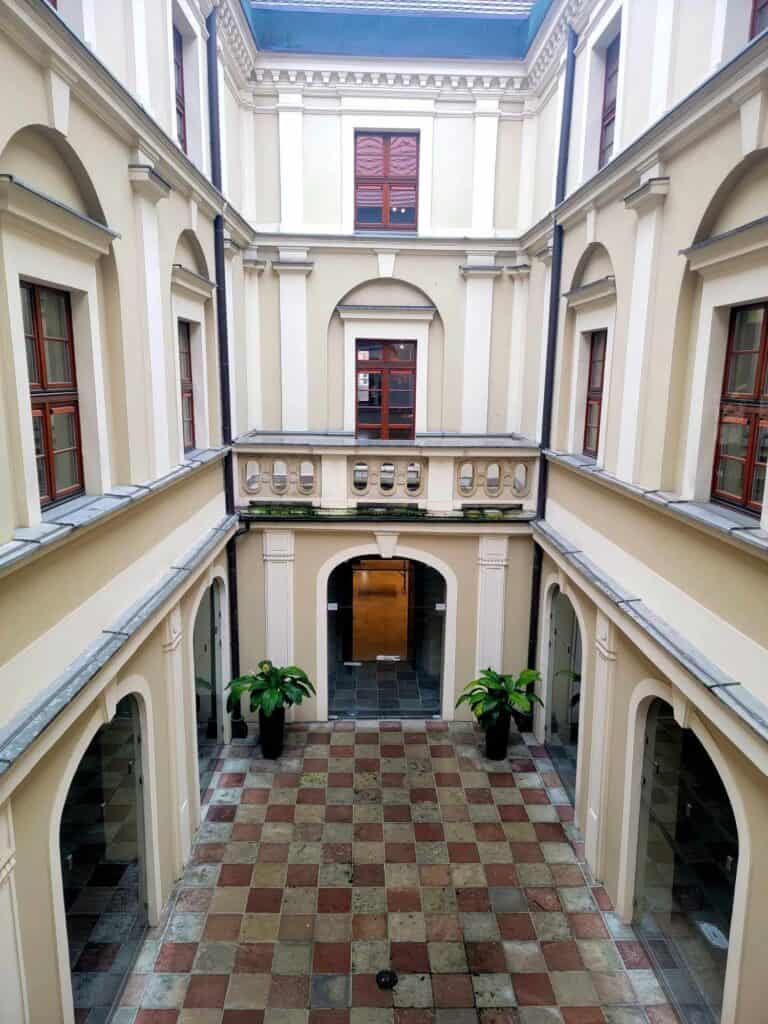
378 844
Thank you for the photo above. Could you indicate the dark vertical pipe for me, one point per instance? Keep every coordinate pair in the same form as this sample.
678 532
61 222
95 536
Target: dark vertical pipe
223 334
552 327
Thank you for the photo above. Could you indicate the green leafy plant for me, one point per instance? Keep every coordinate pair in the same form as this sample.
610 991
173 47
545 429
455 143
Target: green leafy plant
270 688
494 694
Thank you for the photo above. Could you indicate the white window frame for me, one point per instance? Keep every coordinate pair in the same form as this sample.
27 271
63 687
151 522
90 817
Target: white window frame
614 21
593 316
192 30
190 305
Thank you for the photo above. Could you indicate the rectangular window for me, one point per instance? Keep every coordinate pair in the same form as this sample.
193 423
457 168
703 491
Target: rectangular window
178 72
594 408
187 395
610 91
386 390
53 390
759 17
386 180
742 437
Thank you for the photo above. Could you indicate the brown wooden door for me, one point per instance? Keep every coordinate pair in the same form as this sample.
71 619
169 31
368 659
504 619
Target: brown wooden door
380 609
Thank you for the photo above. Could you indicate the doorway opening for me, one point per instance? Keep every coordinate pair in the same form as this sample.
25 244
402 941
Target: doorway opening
386 631
101 844
562 737
688 852
208 683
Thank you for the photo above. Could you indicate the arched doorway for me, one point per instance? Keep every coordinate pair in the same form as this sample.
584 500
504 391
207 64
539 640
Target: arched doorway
209 684
687 859
386 631
101 843
564 690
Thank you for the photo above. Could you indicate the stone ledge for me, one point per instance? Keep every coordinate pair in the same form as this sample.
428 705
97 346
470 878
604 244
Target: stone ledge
63 521
22 731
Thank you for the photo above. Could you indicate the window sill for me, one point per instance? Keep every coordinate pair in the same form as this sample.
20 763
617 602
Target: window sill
726 523
65 520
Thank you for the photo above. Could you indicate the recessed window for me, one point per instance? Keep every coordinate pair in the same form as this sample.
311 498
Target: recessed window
610 92
187 386
387 476
306 477
493 479
466 478
252 476
360 476
594 409
279 476
53 390
386 389
759 17
742 440
413 477
386 180
178 74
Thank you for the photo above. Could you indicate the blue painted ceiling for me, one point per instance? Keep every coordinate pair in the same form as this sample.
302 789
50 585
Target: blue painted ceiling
312 28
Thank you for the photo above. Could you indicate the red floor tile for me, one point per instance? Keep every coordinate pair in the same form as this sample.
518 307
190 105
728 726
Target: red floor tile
409 957
175 958
452 991
533 990
331 958
206 991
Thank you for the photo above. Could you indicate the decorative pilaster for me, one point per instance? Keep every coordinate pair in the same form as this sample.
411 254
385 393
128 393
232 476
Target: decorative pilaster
148 189
12 979
231 250
293 267
647 202
545 256
290 112
278 583
484 173
520 275
601 702
253 268
440 472
479 273
181 826
492 561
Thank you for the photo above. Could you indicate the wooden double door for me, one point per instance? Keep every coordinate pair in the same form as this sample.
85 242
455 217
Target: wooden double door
382 591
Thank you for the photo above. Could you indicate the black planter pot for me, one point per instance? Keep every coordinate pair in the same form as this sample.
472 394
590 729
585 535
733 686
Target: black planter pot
497 738
523 722
239 726
271 733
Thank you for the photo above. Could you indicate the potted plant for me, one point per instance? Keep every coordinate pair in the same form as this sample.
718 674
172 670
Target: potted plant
271 690
494 698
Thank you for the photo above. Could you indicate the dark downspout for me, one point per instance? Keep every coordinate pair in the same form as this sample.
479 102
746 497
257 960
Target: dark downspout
223 335
552 327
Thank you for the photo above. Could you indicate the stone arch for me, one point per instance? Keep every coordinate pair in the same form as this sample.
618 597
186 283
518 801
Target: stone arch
746 181
101 714
189 253
451 614
41 157
646 691
594 264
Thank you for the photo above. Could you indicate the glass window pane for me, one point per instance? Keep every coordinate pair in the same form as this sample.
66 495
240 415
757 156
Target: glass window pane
758 485
741 373
402 351
32 368
402 204
26 309
63 432
370 351
403 156
370 204
42 478
369 156
66 470
734 438
53 307
371 433
58 362
730 476
590 440
747 329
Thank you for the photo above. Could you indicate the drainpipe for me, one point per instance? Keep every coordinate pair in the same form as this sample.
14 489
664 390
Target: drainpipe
554 316
223 334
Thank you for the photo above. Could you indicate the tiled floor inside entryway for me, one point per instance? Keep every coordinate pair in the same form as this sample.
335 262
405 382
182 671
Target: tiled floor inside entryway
373 845
373 689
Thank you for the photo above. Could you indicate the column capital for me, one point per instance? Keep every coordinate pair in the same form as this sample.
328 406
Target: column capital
648 196
146 182
294 261
493 551
518 271
278 545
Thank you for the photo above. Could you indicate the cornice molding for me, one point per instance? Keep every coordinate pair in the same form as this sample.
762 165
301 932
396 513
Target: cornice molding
194 285
236 42
716 255
351 312
549 54
596 291
269 79
24 205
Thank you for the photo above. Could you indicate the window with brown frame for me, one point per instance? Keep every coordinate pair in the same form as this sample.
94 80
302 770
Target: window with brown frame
53 392
178 73
610 91
386 389
386 180
187 386
759 18
742 438
594 408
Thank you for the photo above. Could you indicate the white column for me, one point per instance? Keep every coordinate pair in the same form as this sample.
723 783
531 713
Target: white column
224 129
230 251
491 591
137 43
181 827
526 191
290 107
520 275
484 174
248 156
278 595
293 269
546 258
253 269
601 703
479 274
647 202
661 79
12 979
148 190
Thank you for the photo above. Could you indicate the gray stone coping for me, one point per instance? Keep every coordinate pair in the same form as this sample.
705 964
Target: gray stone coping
86 510
738 527
750 709
24 728
346 439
